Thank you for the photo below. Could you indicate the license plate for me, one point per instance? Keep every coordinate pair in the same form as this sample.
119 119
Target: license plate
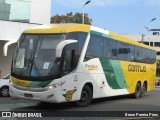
28 95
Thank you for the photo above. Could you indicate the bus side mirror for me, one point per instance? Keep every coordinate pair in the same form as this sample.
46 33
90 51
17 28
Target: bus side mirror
5 48
61 45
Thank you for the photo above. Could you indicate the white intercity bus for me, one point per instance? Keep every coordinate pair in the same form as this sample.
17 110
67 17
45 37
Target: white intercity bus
76 62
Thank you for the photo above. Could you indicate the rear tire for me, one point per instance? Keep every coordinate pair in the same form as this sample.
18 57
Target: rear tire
158 83
144 89
138 91
4 91
86 97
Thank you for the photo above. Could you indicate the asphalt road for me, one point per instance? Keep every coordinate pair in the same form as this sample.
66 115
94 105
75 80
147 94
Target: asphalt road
150 102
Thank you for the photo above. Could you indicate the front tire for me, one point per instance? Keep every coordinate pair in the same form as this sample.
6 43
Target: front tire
86 97
4 91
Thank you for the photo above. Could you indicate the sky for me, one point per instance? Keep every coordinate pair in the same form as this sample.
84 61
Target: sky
120 16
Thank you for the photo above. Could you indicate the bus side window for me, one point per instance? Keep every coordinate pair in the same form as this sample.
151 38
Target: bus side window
68 61
70 57
95 47
148 60
152 56
131 55
89 54
112 48
115 53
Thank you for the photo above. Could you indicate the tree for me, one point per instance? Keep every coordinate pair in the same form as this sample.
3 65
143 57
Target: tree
71 18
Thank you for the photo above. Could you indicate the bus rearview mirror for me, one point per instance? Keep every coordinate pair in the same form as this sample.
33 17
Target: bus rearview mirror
61 45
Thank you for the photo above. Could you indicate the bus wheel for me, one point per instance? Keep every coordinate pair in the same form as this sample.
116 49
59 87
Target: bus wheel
86 97
138 91
144 89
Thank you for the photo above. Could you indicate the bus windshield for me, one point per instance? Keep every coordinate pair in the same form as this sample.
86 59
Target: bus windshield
35 56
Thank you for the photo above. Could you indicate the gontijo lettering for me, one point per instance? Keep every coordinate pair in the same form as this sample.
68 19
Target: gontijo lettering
136 68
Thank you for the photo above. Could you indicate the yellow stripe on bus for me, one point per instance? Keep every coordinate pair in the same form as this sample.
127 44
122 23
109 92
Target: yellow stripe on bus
20 82
59 28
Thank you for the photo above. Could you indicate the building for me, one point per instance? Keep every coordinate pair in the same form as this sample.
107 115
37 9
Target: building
15 17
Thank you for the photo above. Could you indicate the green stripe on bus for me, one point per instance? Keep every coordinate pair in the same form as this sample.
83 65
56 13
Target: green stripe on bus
40 83
113 73
119 73
100 34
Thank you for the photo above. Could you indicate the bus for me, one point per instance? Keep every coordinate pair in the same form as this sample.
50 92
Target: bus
76 62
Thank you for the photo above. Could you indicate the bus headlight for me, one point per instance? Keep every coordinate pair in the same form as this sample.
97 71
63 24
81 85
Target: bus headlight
53 86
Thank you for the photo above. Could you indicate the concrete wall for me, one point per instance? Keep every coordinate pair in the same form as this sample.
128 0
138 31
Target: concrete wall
40 11
12 30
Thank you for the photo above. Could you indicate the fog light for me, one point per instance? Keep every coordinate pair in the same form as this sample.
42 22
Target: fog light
50 96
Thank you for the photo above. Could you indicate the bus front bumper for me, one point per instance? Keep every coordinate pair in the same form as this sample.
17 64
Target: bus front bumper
52 96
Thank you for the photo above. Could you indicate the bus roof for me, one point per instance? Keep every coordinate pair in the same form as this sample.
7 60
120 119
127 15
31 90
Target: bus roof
59 28
73 27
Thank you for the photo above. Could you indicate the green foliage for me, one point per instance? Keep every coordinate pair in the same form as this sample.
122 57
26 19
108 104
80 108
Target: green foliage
71 18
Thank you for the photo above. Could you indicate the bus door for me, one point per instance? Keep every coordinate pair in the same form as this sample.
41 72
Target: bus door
70 61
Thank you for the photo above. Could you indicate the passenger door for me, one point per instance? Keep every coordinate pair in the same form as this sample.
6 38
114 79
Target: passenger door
70 61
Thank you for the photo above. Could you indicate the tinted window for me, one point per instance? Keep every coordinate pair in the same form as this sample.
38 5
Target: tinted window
152 56
73 51
70 57
112 48
123 50
148 59
140 54
80 36
108 48
95 46
131 55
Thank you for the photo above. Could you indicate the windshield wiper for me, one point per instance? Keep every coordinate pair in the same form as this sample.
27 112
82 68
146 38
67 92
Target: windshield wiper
36 69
